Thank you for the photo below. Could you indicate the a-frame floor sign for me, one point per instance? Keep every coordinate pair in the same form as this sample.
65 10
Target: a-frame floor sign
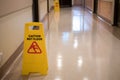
34 53
56 6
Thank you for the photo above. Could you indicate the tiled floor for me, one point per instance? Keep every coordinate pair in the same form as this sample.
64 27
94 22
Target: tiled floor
80 47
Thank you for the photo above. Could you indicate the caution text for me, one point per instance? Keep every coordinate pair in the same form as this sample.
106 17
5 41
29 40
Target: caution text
34 37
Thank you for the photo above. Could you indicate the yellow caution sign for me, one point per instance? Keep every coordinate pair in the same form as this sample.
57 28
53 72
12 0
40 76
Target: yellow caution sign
56 6
34 54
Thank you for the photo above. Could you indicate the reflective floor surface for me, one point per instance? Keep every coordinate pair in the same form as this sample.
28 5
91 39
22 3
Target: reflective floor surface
79 48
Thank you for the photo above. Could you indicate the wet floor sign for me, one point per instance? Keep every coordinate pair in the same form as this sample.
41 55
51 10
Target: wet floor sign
34 54
56 6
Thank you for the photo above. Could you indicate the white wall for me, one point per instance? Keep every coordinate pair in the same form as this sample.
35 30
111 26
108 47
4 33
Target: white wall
8 6
42 8
12 25
50 3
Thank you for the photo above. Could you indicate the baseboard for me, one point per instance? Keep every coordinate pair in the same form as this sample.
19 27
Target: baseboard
105 19
90 10
4 68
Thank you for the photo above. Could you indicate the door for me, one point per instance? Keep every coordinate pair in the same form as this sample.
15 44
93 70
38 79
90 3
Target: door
65 3
95 6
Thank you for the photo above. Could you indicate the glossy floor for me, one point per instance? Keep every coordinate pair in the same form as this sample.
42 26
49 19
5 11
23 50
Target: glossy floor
79 48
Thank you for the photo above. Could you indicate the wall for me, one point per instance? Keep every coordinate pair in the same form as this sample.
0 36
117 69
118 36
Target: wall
50 4
89 4
42 8
8 6
14 15
105 10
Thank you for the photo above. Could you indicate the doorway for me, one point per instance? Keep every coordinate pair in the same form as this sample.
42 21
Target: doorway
48 6
95 6
116 13
77 2
65 3
119 14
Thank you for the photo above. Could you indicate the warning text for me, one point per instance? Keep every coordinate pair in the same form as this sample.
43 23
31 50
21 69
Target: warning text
34 37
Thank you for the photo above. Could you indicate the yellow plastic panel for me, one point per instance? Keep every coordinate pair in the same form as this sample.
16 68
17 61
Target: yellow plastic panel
34 53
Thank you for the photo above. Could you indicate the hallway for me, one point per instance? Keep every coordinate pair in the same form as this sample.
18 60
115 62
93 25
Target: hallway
79 47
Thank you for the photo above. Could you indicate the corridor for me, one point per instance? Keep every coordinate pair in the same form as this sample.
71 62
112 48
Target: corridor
79 47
